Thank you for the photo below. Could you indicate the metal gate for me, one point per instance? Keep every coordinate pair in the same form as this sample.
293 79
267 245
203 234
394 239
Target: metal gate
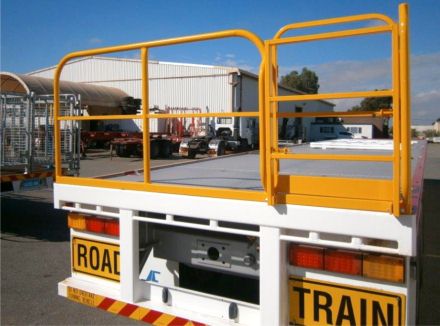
26 143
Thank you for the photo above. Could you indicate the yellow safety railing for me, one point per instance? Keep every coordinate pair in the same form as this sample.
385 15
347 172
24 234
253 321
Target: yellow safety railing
147 185
367 194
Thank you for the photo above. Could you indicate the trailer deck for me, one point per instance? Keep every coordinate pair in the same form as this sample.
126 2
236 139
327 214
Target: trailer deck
242 171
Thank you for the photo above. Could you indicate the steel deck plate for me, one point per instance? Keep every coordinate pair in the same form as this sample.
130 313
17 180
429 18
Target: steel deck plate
242 171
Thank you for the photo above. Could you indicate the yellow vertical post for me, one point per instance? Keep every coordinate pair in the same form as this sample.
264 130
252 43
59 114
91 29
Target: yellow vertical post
405 106
145 118
396 121
268 127
56 123
274 112
261 125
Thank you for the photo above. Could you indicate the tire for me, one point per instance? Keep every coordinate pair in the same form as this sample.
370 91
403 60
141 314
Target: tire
165 149
244 145
154 149
122 151
221 149
192 154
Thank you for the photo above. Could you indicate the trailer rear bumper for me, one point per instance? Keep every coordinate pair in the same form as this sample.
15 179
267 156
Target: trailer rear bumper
154 311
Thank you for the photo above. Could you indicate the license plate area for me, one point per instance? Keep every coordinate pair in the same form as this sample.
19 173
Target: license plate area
314 302
96 258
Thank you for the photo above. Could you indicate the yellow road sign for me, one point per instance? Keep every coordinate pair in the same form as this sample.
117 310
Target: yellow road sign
96 258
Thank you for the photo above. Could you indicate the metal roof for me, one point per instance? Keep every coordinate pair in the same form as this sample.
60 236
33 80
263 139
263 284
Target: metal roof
91 95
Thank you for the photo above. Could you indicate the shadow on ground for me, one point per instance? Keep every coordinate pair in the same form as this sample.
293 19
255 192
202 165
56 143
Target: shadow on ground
27 216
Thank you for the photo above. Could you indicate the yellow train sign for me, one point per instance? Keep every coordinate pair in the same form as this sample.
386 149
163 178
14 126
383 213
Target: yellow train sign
96 258
314 302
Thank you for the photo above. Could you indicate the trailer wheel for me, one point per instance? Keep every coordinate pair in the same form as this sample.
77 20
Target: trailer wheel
244 145
166 149
154 149
221 149
122 151
192 153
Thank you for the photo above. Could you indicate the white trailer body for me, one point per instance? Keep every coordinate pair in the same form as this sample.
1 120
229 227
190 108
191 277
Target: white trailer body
164 238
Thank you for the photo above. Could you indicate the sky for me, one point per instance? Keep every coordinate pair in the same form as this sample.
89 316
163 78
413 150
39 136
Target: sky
36 34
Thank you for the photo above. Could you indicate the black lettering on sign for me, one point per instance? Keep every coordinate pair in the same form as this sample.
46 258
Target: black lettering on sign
82 255
379 314
363 312
94 258
301 292
106 263
345 311
326 305
115 261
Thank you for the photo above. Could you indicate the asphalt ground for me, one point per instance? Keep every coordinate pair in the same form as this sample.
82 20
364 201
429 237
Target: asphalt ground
35 251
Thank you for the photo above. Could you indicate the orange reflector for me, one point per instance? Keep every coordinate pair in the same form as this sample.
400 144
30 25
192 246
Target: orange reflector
76 221
387 268
112 227
95 224
305 256
343 262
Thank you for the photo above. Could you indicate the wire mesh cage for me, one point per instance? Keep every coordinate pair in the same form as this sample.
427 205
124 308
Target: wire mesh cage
15 126
27 131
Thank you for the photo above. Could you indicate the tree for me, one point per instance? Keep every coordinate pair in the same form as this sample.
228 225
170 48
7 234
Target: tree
374 104
306 81
414 133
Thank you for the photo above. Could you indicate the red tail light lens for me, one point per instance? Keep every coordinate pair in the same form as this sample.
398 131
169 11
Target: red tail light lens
343 262
306 256
95 224
112 227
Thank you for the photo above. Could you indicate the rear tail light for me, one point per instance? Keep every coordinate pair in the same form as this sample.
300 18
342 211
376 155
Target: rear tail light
387 268
381 267
306 256
93 224
76 221
343 262
112 227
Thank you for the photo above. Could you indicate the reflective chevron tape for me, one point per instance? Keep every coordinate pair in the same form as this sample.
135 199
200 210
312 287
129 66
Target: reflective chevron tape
128 310
22 176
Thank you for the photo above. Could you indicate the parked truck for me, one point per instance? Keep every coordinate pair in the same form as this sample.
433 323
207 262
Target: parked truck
225 135
263 238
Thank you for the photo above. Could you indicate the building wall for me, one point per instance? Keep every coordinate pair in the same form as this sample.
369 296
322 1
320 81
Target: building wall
208 88
360 130
324 131
421 128
170 84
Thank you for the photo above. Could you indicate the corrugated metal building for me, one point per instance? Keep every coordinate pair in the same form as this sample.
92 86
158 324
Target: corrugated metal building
210 88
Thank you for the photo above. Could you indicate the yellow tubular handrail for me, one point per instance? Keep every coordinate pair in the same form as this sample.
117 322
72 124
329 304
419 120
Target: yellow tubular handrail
404 104
332 114
145 116
399 94
332 21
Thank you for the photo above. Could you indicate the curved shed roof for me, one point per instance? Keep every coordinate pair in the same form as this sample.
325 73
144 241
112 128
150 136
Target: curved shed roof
91 95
